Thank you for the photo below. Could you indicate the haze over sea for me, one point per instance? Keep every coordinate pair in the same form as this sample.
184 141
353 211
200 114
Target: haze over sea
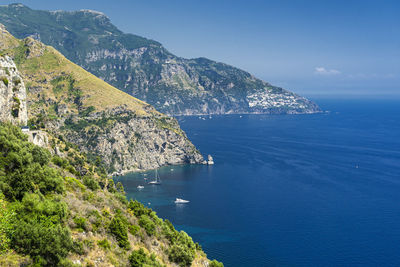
292 190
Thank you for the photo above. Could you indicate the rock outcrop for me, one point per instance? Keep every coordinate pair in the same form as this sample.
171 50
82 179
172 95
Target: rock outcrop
130 143
39 138
13 105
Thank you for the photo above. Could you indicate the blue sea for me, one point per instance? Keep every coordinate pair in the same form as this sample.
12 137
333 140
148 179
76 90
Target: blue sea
289 190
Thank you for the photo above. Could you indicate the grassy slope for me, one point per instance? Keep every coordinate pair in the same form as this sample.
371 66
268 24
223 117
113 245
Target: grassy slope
44 63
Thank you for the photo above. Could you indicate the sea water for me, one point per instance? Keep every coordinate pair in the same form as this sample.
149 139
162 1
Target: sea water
289 190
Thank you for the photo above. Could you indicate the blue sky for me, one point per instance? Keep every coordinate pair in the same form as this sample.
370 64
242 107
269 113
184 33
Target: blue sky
310 47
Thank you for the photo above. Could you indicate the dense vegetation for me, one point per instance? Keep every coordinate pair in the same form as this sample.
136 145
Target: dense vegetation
34 215
49 204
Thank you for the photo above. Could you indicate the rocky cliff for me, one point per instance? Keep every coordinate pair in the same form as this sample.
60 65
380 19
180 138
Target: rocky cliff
145 69
69 102
12 93
129 142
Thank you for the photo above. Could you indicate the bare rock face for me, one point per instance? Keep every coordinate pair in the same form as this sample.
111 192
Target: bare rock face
128 143
39 138
13 106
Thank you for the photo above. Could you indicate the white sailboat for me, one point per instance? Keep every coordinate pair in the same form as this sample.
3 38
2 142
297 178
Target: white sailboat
157 180
140 187
181 201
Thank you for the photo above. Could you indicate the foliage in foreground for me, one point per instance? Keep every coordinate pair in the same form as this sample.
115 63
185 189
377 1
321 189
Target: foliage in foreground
6 216
29 185
36 222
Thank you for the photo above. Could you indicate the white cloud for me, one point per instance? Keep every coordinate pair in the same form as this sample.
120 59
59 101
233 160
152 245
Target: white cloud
324 71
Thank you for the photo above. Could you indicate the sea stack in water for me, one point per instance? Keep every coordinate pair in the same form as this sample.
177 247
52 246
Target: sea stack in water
210 160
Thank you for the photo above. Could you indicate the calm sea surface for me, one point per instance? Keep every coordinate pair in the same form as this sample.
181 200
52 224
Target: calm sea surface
290 190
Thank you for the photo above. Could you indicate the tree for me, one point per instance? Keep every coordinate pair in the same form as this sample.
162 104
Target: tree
6 217
120 231
148 225
45 242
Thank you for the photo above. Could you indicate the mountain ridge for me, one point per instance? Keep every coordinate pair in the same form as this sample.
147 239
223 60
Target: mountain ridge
66 100
145 69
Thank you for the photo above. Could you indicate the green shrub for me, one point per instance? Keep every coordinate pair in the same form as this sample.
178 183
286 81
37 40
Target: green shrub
15 107
133 229
215 263
111 186
183 250
148 225
91 183
41 155
5 80
29 178
6 217
121 198
96 219
24 166
181 255
89 244
39 229
138 208
119 230
80 223
104 244
60 162
139 258
67 263
74 183
77 247
36 207
168 231
45 242
120 188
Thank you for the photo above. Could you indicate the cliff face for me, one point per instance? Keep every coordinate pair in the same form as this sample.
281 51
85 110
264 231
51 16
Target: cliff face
128 142
64 99
145 69
12 93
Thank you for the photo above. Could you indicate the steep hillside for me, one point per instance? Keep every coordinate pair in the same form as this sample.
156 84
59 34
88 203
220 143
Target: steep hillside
51 215
145 69
66 100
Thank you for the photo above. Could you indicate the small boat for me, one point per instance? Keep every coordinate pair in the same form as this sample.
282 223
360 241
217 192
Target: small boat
140 187
181 201
157 180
